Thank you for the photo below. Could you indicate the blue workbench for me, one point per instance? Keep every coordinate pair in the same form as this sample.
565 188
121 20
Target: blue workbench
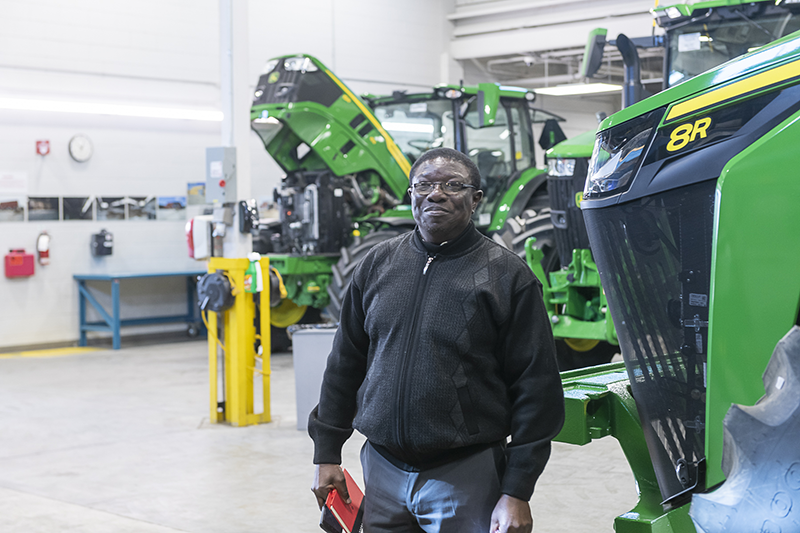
112 322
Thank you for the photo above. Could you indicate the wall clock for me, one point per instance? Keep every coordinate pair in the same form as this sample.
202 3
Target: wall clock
80 148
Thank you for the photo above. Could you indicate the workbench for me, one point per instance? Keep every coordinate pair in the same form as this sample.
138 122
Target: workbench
112 322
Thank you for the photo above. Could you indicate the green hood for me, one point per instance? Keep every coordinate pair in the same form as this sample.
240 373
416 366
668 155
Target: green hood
578 146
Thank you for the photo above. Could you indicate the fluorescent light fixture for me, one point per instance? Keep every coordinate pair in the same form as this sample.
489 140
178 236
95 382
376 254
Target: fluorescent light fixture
122 110
407 126
574 89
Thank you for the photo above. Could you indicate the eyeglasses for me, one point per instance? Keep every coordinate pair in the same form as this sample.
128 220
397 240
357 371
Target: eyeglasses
422 188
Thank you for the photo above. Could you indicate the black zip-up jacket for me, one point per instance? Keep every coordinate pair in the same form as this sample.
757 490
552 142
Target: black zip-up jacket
437 352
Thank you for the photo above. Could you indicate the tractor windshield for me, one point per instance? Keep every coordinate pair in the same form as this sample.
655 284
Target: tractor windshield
654 257
417 127
500 150
710 40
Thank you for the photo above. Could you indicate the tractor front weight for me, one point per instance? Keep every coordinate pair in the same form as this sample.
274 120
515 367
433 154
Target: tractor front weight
599 403
573 296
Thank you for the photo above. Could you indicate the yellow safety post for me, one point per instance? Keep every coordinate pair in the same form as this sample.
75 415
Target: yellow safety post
238 347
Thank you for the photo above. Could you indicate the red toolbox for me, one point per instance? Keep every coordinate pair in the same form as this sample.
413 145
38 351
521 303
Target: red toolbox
19 264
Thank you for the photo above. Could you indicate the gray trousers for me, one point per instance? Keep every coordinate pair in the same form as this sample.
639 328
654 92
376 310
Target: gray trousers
457 497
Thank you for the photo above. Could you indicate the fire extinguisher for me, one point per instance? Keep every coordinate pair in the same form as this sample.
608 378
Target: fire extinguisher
43 248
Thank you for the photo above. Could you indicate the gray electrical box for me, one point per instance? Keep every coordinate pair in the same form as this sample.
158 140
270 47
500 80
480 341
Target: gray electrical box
220 175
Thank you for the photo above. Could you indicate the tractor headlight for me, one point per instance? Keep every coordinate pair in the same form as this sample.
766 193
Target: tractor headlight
618 152
449 93
561 167
299 63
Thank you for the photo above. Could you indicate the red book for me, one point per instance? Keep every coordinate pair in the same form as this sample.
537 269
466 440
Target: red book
340 517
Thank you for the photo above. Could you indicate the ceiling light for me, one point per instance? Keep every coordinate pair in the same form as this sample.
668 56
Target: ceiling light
123 110
579 88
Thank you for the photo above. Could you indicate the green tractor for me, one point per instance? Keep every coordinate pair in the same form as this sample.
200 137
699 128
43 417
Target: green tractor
347 160
691 210
699 36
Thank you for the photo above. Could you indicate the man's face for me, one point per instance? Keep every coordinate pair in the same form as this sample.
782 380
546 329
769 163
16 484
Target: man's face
441 216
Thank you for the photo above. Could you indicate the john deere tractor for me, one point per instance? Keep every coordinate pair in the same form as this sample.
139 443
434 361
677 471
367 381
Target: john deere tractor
347 160
699 36
692 215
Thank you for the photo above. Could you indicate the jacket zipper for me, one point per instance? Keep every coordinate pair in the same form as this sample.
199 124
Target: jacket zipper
402 383
428 263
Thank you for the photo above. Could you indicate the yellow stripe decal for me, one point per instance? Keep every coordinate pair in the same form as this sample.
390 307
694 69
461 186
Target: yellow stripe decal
51 352
728 92
390 144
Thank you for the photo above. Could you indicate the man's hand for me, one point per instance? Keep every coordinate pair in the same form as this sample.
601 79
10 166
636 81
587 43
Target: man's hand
327 477
511 515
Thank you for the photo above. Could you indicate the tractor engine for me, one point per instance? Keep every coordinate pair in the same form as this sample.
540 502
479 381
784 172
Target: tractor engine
314 215
318 211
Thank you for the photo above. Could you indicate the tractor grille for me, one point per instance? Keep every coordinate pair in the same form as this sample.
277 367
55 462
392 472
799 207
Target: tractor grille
568 224
654 258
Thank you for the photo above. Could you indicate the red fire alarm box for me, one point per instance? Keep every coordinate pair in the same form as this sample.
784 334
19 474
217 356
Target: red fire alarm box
19 264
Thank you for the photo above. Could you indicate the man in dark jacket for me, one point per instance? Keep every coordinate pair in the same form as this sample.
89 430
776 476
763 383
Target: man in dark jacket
443 351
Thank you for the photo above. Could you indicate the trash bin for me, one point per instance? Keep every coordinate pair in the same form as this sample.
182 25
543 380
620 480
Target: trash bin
311 346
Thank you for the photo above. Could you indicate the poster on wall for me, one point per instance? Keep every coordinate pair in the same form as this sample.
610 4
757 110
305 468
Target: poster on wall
110 208
78 207
42 208
171 208
196 200
196 193
12 209
141 208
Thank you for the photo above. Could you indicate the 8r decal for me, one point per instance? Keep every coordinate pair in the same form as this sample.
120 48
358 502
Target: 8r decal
686 133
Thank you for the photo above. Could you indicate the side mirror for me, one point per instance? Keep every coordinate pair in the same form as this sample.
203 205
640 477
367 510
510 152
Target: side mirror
488 103
593 53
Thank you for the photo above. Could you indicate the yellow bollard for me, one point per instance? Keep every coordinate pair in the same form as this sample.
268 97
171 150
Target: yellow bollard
235 404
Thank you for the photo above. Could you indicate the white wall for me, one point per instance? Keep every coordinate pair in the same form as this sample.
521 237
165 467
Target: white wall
162 53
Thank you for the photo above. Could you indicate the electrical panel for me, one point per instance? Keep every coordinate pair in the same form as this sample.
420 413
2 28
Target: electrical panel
102 243
221 175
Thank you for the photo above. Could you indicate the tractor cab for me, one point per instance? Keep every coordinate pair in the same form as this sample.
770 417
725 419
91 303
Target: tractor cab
502 145
699 38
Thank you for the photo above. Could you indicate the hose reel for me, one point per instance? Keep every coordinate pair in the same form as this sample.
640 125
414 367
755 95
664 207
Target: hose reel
215 292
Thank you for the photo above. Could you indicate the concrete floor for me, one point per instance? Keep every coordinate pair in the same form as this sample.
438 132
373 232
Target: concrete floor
119 441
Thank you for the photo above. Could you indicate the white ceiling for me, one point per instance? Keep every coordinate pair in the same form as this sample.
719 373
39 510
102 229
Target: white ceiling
537 43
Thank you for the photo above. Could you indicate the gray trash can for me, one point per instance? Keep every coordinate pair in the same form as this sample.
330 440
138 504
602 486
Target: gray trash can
311 346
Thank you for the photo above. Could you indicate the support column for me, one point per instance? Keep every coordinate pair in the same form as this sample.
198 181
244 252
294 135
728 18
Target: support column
236 98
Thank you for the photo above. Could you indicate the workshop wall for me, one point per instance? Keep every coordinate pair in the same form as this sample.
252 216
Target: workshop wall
163 54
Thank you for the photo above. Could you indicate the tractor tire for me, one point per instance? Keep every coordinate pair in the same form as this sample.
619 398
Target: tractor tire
533 221
351 256
760 456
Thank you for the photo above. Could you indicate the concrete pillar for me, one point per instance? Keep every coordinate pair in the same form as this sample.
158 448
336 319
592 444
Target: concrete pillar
236 99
